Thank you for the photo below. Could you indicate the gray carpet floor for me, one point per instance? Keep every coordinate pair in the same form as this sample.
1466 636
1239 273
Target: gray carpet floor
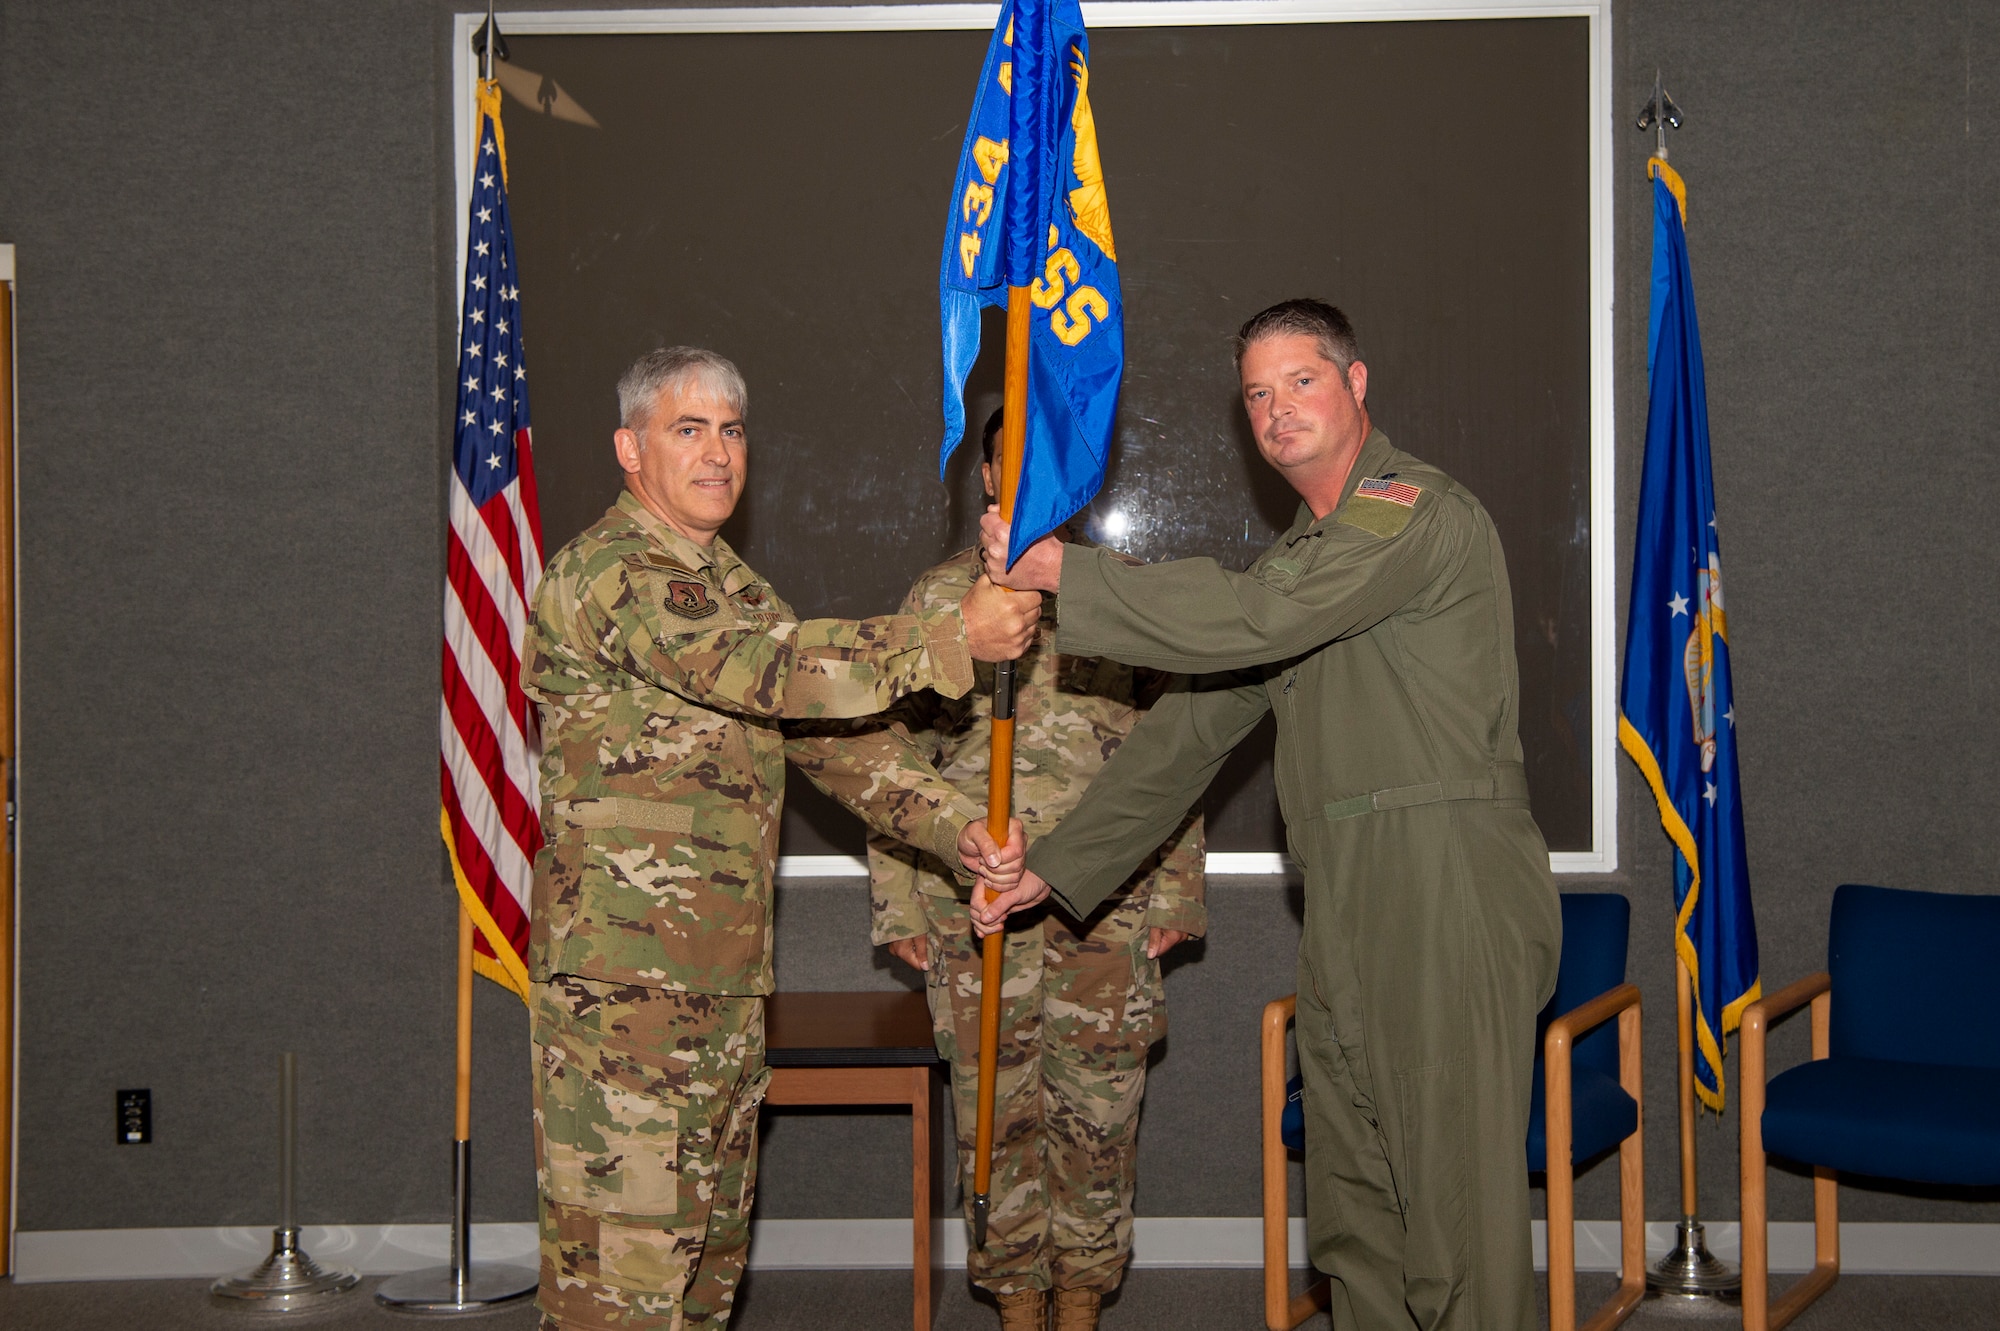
879 1301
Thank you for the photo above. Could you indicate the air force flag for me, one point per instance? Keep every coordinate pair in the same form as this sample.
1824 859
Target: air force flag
1028 209
1677 714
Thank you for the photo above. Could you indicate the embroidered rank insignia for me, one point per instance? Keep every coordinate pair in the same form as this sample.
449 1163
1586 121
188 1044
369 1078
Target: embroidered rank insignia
1396 492
644 560
690 600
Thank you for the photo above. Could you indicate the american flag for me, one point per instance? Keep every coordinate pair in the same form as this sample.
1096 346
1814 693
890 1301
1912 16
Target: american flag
491 814
1396 492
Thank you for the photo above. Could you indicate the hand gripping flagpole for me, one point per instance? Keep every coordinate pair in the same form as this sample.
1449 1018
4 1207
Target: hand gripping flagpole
459 1287
1000 773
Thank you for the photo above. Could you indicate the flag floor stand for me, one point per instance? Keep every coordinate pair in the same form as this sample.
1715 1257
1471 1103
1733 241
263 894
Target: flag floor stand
288 1280
459 1287
1690 1272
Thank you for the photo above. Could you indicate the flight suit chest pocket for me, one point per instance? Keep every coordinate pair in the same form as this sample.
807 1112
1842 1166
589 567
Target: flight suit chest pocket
1281 571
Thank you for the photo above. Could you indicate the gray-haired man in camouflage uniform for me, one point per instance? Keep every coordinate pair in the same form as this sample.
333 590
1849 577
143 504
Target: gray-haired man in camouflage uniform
1080 1004
671 679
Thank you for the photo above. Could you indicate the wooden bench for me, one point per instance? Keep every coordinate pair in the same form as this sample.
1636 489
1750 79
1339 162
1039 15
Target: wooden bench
865 1049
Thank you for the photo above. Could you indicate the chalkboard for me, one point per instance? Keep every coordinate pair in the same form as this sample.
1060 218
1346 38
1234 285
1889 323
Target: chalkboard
781 197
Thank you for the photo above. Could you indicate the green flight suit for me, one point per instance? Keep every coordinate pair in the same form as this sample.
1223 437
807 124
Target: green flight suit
1382 636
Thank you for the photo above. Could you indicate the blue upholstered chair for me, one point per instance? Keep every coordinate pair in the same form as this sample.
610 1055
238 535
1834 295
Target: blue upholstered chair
1587 1070
1587 1098
1904 1080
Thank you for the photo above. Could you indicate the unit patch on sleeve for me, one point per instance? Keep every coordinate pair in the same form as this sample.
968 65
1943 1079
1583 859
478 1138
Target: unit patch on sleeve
688 599
1381 505
687 595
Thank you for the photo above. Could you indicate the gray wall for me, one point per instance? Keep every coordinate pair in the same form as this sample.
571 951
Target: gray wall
235 230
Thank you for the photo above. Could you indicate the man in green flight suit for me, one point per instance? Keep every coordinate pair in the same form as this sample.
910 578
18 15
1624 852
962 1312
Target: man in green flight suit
1379 629
1080 1004
674 685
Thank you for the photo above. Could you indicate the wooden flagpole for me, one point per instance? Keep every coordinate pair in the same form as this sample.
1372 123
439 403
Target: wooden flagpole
1000 767
1684 1016
461 1122
7 767
1690 1271
458 1287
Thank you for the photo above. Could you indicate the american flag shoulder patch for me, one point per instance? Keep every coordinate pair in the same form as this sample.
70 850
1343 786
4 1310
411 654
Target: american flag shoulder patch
1396 492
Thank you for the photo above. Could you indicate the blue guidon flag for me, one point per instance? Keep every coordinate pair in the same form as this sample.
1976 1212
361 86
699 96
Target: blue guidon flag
1677 713
1028 209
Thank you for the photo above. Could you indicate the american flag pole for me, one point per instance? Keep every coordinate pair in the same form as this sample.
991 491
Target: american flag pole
491 805
489 813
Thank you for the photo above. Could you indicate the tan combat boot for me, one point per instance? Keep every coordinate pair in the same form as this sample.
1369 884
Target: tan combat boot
1076 1309
1025 1310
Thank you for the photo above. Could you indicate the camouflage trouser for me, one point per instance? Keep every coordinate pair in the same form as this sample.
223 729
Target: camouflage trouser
645 1152
1077 1015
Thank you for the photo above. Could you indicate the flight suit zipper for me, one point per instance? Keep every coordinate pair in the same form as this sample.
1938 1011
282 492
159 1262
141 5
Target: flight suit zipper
1292 788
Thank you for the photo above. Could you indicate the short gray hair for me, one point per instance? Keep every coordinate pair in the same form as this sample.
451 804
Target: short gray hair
1316 319
673 369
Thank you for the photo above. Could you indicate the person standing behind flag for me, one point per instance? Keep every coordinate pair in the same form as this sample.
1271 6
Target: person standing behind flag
1380 631
1081 1004
671 679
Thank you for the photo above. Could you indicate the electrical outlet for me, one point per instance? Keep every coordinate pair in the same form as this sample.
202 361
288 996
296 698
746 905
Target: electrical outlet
135 1117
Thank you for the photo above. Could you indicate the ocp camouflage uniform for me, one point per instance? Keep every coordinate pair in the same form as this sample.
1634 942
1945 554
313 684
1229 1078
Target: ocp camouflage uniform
1078 1010
666 673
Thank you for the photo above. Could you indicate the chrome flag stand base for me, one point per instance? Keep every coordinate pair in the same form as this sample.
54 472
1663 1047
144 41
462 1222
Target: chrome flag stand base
458 1288
1690 1271
286 1281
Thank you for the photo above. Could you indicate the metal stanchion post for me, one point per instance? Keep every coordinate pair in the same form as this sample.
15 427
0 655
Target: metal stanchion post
459 1287
288 1280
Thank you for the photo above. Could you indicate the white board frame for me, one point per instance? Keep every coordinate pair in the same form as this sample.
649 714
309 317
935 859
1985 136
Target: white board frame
1602 857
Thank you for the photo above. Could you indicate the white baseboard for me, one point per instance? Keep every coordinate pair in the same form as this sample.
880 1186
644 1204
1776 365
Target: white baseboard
822 866
1219 862
884 1244
158 1254
1248 862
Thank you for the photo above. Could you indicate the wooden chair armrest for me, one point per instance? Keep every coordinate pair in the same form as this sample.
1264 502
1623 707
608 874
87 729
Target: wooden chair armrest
1564 1030
1283 1310
1760 1014
1620 1001
1278 1014
1751 1071
1760 1311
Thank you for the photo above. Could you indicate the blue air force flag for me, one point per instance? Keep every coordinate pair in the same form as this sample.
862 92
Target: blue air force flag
1677 715
1028 209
